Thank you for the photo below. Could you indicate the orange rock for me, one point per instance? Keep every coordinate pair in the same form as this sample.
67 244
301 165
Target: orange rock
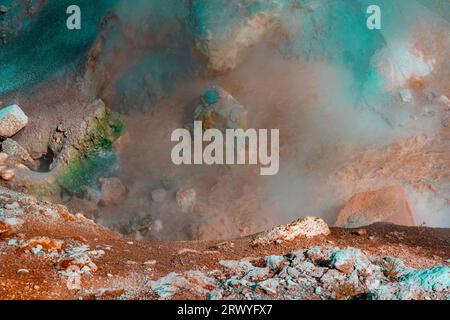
385 205
46 243
4 227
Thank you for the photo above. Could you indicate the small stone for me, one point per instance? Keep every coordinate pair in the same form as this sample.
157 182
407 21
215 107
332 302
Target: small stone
159 195
12 120
3 9
112 191
150 262
406 96
3 157
23 271
274 262
8 174
359 232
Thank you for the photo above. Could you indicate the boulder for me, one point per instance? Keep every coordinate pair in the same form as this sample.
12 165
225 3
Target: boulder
112 191
305 227
6 173
12 120
218 109
385 205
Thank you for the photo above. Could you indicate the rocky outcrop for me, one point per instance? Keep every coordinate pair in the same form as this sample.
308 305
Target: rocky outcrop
224 32
306 227
385 205
82 154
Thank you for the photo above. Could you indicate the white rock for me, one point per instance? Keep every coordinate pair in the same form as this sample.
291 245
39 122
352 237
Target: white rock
307 227
406 96
12 120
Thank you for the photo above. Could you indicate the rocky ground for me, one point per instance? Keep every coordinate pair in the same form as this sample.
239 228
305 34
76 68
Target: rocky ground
49 253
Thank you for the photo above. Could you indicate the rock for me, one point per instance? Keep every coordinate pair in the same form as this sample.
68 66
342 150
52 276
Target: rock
159 195
406 96
186 199
23 271
38 244
150 263
385 205
347 260
16 152
12 120
7 174
4 227
319 254
307 227
3 157
3 9
219 110
359 232
112 191
275 262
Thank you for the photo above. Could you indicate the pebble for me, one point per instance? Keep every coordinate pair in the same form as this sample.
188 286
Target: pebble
150 262
8 174
23 271
359 232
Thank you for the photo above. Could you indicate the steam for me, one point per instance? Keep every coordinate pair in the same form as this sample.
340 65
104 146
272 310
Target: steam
328 113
